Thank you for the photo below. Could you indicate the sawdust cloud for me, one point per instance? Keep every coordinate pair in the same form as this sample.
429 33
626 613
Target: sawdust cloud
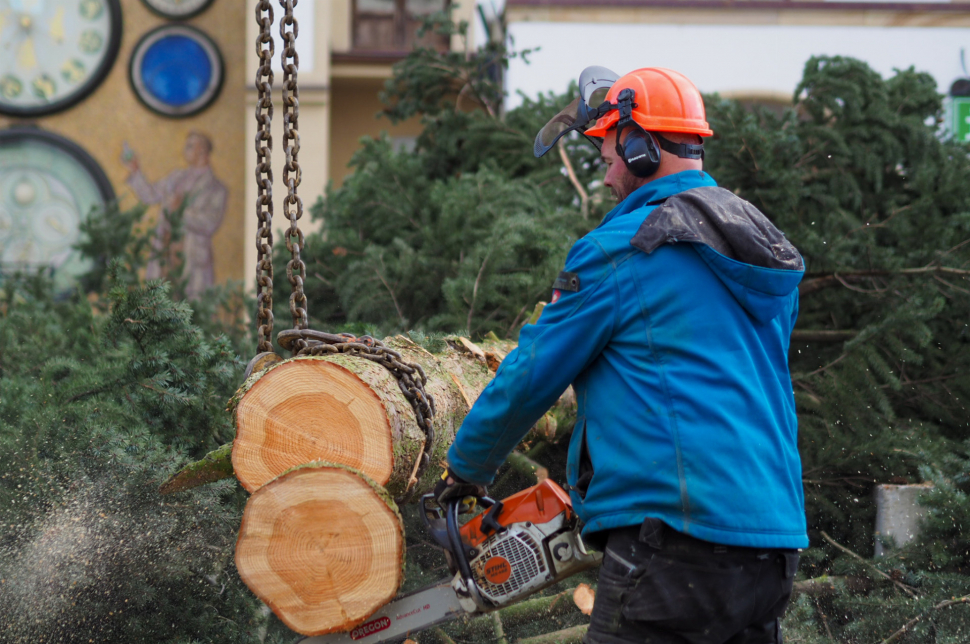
78 571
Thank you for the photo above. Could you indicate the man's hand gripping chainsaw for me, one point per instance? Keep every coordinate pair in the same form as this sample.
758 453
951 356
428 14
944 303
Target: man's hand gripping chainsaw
519 546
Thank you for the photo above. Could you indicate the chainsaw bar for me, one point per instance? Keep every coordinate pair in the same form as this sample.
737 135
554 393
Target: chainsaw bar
405 615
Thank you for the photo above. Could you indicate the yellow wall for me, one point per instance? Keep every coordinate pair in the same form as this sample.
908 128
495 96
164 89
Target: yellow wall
355 105
112 114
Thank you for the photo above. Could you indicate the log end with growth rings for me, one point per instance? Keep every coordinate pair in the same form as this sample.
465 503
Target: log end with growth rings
322 546
308 409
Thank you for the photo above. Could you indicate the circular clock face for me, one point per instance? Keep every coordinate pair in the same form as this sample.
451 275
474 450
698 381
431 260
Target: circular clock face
178 9
54 52
176 70
48 186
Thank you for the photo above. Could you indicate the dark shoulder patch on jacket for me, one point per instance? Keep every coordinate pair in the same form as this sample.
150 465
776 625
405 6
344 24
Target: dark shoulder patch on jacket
567 282
720 219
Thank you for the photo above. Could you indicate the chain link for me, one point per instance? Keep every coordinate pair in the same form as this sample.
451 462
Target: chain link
264 179
293 205
409 375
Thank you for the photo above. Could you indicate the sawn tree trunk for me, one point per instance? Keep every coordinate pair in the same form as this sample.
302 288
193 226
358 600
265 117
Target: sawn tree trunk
350 410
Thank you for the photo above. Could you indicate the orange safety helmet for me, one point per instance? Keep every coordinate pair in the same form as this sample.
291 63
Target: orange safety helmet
666 101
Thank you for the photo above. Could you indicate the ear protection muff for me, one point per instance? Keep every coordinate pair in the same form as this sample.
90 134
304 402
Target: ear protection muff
640 150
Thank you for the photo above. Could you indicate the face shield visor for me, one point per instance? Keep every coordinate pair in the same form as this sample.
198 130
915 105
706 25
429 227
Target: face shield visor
594 83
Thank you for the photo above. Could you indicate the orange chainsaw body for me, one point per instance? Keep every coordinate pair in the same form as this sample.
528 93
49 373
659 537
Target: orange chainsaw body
538 504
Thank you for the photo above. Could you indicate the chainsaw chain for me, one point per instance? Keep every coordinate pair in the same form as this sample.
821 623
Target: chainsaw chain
409 375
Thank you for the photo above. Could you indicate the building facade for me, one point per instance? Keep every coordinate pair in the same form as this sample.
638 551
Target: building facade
154 101
123 99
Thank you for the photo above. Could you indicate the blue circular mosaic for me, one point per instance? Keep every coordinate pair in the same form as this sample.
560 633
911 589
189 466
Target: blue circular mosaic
176 70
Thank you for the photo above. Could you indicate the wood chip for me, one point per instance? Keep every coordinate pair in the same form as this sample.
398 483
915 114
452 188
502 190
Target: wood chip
472 348
461 390
584 596
493 359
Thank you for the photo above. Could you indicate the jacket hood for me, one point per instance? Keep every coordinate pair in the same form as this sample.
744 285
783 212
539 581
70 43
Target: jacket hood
753 259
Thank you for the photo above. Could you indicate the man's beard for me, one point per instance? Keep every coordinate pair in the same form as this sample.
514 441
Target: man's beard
628 184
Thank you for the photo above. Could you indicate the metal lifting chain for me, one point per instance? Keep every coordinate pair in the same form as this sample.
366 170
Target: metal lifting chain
293 205
264 179
300 340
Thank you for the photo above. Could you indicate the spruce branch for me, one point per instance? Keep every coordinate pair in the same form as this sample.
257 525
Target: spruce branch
390 291
443 636
882 223
91 392
518 317
948 284
821 281
909 590
822 335
583 195
573 635
498 630
908 625
478 279
826 367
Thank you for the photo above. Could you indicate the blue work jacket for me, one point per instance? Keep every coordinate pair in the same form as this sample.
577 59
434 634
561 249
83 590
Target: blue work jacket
679 359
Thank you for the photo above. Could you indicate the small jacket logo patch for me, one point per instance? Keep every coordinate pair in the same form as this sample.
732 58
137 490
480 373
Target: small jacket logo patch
567 282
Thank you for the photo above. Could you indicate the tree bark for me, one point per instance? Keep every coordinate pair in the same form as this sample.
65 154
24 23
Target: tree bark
283 441
215 466
350 410
539 608
323 546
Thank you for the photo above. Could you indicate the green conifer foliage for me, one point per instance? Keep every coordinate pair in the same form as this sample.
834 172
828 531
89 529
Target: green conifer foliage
96 410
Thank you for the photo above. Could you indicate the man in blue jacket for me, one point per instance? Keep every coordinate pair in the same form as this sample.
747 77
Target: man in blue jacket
672 321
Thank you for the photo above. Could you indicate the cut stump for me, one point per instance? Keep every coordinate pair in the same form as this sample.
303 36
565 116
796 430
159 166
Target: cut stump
322 546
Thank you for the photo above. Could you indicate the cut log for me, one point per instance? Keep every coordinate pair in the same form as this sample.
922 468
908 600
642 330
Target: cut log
584 597
350 410
827 586
527 467
323 546
572 635
538 608
215 466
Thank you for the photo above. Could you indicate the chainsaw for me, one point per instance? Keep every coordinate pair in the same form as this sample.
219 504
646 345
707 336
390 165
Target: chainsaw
517 547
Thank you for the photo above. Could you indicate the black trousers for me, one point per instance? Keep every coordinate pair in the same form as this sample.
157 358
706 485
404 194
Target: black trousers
659 586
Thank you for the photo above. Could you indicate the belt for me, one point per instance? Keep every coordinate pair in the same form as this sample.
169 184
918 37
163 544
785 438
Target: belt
654 533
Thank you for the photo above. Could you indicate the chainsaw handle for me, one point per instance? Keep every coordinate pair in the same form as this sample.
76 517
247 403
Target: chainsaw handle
454 539
436 522
460 556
